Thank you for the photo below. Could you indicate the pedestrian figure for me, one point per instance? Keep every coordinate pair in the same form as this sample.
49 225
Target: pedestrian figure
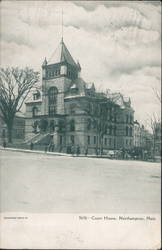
78 150
60 148
72 150
86 151
53 147
4 144
45 150
50 146
123 154
31 146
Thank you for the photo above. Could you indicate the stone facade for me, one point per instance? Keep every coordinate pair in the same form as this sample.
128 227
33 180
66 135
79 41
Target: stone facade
71 114
137 134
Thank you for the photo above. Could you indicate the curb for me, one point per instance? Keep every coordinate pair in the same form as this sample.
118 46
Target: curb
33 151
60 154
45 153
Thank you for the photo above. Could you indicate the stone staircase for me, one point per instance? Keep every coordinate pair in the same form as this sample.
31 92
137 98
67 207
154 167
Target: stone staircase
41 138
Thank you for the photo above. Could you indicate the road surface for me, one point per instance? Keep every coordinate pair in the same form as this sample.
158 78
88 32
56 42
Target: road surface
59 184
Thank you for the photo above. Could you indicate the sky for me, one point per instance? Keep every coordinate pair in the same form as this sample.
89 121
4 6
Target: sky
118 43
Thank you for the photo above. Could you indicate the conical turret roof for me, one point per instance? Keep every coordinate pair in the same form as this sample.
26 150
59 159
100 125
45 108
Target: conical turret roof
61 54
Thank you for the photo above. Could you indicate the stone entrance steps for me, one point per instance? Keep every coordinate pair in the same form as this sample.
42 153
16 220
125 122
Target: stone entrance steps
42 138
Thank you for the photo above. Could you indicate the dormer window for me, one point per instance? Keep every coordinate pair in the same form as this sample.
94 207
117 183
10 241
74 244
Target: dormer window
36 95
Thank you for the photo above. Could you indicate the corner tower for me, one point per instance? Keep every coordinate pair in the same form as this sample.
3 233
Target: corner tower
58 73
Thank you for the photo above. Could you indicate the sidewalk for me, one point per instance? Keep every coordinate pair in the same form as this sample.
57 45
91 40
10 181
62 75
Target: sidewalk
63 154
33 151
46 153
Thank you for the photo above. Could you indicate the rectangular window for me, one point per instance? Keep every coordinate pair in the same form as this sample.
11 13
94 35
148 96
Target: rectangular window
72 139
110 141
88 140
35 97
105 141
114 143
60 139
94 139
110 130
52 110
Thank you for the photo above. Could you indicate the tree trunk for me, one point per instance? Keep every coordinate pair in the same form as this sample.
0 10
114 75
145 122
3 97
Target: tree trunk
9 129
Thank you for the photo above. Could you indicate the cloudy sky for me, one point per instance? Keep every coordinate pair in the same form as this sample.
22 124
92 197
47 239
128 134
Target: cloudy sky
117 43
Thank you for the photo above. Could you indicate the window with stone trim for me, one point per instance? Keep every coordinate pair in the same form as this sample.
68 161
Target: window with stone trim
110 130
52 126
89 123
61 141
72 139
72 125
114 130
89 140
52 101
72 108
34 111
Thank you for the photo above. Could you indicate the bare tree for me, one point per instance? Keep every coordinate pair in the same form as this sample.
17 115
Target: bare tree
15 85
153 123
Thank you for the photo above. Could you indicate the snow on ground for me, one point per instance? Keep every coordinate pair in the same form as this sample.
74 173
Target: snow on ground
59 184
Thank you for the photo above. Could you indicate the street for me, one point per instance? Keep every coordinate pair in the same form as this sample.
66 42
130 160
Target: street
38 183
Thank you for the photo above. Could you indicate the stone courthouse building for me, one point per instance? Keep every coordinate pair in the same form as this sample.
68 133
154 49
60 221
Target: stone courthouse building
67 112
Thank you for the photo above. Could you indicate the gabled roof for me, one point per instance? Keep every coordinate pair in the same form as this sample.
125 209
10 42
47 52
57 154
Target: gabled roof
80 84
62 54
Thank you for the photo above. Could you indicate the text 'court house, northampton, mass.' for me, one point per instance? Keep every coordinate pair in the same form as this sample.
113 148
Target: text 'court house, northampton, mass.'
66 112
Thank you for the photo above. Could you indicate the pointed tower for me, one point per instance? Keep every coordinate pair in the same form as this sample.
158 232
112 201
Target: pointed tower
61 63
58 73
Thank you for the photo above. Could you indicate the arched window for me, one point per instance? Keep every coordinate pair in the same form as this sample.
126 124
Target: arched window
35 111
35 126
43 125
52 101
